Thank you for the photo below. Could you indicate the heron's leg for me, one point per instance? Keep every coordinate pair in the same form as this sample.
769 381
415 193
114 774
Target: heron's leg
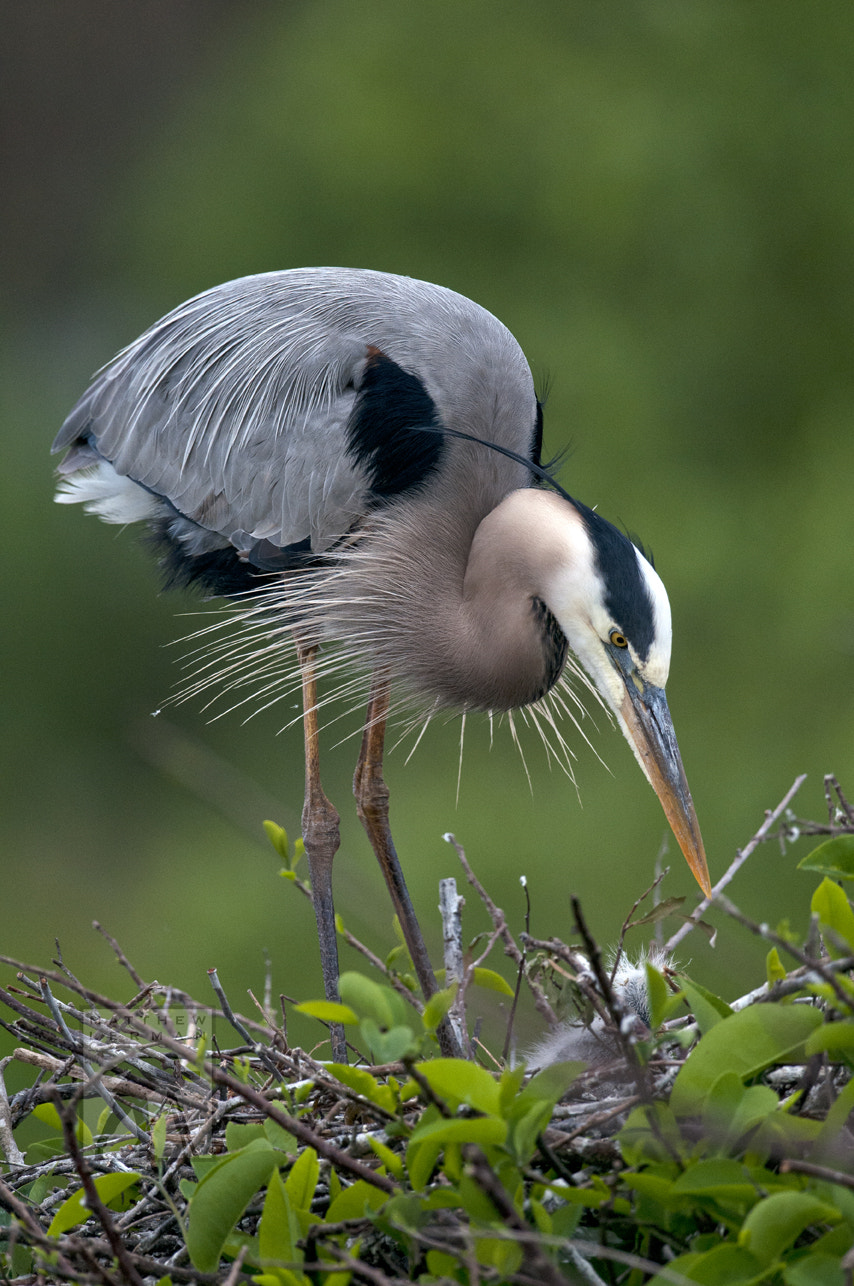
320 833
372 806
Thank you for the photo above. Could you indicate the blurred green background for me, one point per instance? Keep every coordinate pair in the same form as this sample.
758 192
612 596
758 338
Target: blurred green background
658 199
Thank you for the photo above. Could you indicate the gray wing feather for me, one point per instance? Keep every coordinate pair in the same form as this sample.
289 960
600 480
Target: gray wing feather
234 407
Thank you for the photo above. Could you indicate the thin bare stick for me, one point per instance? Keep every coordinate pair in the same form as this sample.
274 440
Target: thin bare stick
13 1154
498 919
259 1050
451 905
373 960
817 967
817 1172
627 923
67 1115
520 973
120 955
735 866
95 1075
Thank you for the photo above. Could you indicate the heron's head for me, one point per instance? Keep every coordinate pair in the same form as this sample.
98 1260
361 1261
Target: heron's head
613 608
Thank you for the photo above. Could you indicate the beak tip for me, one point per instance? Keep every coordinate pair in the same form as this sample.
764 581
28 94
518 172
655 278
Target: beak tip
696 858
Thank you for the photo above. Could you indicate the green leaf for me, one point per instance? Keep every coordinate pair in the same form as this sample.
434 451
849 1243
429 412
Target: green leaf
491 981
815 1269
485 978
328 1011
302 1180
437 1006
441 1265
757 1103
746 1043
158 1137
370 1000
222 1196
476 1129
499 1253
239 1136
388 1046
776 1221
47 1113
834 1038
526 1128
835 857
722 1103
421 1160
834 911
550 1084
285 1276
278 837
659 912
659 995
509 1084
458 1082
725 1265
278 1231
391 1160
774 969
707 1008
279 1137
362 1082
355 1202
837 1116
74 1209
640 1142
542 1218
720 1178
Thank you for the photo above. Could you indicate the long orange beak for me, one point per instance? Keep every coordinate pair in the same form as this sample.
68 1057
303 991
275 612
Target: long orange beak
649 728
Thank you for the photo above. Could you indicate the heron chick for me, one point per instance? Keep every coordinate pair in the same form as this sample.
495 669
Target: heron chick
355 456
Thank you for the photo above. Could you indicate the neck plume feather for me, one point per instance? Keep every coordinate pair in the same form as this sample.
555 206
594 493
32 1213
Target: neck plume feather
453 609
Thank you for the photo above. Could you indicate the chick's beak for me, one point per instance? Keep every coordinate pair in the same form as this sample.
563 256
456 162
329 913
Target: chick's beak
649 729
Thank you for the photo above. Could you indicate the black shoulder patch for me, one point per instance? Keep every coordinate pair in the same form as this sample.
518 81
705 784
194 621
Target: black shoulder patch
221 572
383 434
626 595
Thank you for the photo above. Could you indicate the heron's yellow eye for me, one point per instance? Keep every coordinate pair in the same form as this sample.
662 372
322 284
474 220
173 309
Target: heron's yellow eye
618 639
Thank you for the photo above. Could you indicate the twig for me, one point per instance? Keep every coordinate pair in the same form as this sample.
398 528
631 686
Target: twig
764 931
830 785
34 1230
259 1050
535 1259
120 955
793 982
93 1200
451 905
520 973
627 922
818 1172
500 923
603 982
735 866
10 1149
94 1074
234 1271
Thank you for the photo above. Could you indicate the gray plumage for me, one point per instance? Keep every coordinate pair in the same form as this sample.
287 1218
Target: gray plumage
235 406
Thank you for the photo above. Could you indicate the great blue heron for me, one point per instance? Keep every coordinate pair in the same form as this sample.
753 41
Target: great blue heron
356 457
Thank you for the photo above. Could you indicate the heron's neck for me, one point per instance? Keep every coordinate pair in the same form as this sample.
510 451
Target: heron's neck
468 623
515 647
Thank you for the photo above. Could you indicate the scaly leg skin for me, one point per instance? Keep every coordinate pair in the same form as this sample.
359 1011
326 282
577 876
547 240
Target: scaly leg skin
321 836
372 807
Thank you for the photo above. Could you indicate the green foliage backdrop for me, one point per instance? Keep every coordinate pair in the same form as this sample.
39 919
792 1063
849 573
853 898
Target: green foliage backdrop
657 199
